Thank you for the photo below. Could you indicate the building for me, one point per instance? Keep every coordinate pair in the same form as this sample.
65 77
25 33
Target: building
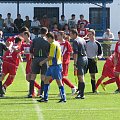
91 11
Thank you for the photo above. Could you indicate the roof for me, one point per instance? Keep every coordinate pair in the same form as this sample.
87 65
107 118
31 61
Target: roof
56 1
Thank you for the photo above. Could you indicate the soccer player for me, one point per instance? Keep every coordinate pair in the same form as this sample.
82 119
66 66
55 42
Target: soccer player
108 71
66 49
117 63
94 50
11 61
2 49
55 68
25 48
40 51
80 61
10 40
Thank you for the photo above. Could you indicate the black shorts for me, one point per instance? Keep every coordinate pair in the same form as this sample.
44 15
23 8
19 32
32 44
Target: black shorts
92 66
36 68
82 65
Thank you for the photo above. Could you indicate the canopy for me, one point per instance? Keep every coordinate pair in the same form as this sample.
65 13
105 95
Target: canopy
56 1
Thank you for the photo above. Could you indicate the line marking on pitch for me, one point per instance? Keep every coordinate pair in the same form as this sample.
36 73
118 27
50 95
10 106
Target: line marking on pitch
37 108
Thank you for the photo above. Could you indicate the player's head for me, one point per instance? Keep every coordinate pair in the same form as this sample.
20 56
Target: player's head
44 31
73 33
18 40
26 35
23 29
60 35
50 37
91 33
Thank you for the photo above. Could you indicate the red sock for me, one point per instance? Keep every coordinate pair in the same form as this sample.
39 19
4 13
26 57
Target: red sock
98 83
118 82
8 81
112 80
37 85
67 82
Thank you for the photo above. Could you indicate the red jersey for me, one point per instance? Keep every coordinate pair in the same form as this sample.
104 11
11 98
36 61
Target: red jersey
66 49
83 21
26 48
82 32
117 50
108 69
12 57
12 39
110 62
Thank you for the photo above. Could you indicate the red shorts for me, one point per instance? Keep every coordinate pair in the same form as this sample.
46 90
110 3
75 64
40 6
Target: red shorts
117 69
65 69
108 72
9 68
28 67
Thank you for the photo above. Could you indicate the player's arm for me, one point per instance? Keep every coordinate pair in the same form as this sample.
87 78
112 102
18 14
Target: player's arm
51 54
75 54
20 57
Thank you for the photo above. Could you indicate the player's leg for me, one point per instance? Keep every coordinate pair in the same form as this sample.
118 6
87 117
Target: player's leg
99 81
8 81
43 72
81 71
66 80
31 85
112 80
117 74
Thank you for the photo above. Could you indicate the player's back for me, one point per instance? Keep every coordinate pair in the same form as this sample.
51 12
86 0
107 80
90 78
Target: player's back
40 47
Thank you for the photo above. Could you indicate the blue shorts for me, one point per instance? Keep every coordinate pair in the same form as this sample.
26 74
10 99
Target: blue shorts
55 71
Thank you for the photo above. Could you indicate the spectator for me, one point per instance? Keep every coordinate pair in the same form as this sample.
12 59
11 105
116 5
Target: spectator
1 22
18 24
107 37
82 31
8 22
35 23
82 20
72 22
27 22
54 20
62 22
45 21
55 30
66 29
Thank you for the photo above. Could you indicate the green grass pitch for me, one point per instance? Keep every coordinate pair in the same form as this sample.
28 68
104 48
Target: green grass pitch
102 106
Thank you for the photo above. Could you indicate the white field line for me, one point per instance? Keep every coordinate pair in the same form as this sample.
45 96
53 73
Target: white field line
84 109
37 108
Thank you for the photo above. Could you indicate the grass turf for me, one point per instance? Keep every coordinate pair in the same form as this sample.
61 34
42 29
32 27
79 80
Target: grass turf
102 106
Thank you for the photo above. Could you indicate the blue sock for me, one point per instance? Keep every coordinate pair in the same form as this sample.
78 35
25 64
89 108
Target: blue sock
46 88
62 93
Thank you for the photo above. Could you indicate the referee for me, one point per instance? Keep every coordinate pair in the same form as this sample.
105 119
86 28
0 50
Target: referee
94 51
39 51
80 61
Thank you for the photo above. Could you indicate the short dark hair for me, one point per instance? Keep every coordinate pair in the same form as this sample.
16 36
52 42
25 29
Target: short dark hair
118 32
74 31
9 14
23 29
27 33
73 15
18 39
62 16
43 30
50 35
